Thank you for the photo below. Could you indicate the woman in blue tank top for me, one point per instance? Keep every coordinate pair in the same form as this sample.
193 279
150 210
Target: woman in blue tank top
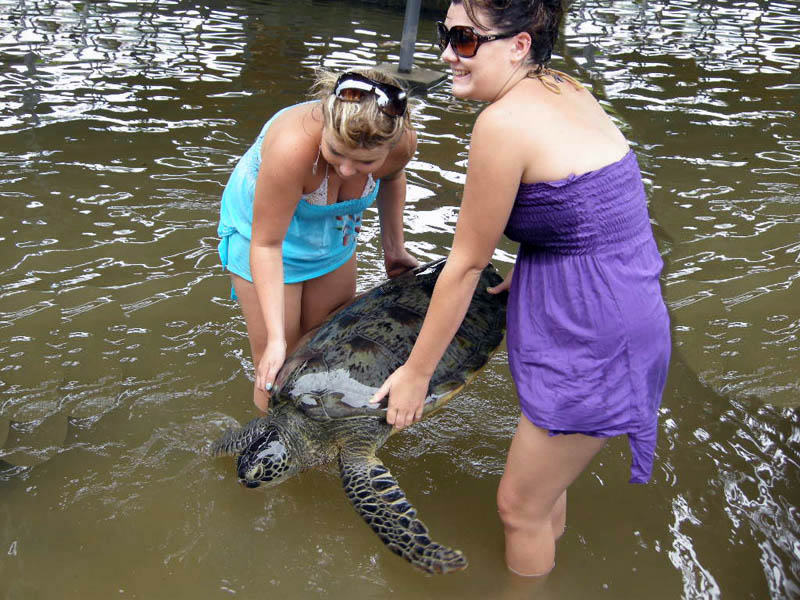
291 210
588 331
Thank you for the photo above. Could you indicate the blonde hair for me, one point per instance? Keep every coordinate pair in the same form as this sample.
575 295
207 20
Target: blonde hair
359 124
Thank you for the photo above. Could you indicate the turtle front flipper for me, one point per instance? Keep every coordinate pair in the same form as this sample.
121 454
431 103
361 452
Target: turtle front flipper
378 498
233 441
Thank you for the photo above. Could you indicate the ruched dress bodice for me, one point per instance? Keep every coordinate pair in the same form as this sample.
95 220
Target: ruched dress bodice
593 213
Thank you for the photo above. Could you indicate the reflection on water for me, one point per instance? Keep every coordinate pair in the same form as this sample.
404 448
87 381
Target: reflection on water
121 355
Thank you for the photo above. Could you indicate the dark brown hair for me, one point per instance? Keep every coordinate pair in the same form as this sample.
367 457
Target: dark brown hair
539 18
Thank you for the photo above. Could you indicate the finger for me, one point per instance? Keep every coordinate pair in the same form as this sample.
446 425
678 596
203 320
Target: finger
261 400
381 393
269 380
391 416
403 421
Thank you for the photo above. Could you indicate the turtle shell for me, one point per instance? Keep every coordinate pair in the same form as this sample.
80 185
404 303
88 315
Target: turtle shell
339 366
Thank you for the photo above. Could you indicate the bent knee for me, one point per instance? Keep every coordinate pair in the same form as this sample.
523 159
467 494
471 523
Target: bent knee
510 506
518 511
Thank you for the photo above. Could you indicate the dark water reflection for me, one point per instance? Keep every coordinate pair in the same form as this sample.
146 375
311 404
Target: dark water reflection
121 355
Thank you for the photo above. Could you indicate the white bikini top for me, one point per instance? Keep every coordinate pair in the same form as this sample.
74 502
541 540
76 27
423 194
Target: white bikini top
319 197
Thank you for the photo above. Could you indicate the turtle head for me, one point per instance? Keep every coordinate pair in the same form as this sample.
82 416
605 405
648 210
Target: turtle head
268 459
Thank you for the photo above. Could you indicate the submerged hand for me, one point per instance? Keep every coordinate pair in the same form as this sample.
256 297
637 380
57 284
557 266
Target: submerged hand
407 391
399 264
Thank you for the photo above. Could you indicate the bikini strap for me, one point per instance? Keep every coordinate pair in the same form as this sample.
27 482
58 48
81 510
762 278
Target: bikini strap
558 76
319 197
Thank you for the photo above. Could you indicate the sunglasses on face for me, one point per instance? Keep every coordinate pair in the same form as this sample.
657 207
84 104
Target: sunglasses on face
352 87
464 40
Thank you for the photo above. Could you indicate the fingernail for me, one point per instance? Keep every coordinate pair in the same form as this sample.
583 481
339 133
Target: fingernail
268 387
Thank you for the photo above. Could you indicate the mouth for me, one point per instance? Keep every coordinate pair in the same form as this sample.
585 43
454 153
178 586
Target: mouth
459 74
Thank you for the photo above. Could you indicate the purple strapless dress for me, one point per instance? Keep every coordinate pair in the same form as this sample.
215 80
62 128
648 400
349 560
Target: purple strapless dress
588 331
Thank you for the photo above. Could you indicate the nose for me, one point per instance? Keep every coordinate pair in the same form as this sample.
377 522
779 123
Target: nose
448 55
347 168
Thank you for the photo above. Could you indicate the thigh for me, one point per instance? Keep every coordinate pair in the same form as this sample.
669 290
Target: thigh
540 467
323 295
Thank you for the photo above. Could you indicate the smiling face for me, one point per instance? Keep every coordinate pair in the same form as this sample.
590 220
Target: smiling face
482 76
349 162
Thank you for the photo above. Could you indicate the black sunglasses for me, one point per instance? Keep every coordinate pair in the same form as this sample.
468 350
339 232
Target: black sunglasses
464 40
352 87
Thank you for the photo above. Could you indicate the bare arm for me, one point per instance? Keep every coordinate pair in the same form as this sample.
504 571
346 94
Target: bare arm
284 160
391 203
493 176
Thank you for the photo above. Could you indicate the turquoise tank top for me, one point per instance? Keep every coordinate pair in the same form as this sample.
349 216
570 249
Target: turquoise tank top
320 238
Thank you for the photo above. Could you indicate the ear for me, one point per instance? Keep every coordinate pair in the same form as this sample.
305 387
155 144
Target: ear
521 46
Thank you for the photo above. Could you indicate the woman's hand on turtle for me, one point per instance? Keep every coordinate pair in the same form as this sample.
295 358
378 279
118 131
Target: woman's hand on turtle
399 264
270 363
406 390
504 285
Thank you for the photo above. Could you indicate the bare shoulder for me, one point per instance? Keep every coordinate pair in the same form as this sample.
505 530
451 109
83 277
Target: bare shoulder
563 134
292 140
498 119
498 135
497 154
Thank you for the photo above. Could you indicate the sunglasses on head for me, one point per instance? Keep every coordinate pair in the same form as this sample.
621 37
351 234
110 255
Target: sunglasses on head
352 87
464 40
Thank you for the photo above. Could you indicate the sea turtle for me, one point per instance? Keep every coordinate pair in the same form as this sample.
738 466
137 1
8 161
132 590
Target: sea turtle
320 408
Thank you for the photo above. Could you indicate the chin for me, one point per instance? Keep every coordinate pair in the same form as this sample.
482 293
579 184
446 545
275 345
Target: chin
460 90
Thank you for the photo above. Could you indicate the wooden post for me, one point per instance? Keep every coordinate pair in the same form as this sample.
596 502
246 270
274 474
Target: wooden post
409 35
417 79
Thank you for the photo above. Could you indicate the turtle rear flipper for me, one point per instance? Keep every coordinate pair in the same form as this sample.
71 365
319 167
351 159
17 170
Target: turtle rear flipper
233 441
378 498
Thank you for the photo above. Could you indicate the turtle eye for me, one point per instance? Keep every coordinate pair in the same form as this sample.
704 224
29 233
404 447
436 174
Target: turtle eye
252 478
255 473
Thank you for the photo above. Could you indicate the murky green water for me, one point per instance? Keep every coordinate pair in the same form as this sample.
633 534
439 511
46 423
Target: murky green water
121 355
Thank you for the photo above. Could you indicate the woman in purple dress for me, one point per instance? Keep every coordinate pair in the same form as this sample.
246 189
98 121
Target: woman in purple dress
588 331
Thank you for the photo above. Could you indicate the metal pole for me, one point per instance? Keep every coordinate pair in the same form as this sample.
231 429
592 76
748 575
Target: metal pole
409 35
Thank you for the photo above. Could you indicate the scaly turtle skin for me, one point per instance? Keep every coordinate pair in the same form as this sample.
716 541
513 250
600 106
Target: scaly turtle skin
320 407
